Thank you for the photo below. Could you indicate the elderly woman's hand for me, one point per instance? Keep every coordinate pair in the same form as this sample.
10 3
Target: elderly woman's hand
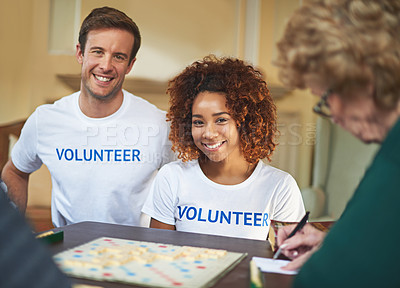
301 246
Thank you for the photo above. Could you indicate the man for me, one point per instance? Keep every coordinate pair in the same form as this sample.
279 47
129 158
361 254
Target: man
102 145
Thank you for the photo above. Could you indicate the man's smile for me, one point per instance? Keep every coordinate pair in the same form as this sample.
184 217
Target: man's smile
102 78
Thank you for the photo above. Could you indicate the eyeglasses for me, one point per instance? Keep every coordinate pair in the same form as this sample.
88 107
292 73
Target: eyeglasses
322 107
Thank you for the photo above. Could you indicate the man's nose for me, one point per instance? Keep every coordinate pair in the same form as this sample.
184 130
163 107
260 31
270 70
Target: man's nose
106 63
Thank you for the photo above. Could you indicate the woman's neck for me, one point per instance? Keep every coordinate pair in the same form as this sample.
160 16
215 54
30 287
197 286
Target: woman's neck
227 172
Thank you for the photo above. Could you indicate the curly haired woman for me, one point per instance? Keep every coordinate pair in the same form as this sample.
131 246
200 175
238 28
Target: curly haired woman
223 122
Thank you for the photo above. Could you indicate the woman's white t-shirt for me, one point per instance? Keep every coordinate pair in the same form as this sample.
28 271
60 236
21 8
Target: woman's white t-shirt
183 196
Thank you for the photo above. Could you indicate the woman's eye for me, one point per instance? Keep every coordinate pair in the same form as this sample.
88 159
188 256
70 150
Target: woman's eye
197 122
221 120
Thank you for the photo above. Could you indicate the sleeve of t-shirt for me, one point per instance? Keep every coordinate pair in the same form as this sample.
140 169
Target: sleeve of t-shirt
24 261
24 153
160 203
289 202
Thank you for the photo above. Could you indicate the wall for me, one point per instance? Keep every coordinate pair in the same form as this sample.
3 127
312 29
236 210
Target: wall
274 15
177 32
14 59
349 159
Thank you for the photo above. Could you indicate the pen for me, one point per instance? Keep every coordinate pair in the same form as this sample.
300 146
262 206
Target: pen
298 227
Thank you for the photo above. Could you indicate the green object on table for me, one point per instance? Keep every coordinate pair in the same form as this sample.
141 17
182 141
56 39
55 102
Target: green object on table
256 277
51 236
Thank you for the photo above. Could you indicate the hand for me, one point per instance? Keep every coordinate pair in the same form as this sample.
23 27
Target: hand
301 246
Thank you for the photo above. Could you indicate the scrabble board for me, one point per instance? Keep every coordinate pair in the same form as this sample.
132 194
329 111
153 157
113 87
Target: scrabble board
147 263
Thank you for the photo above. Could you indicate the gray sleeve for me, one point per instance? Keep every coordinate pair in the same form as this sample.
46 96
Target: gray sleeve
24 261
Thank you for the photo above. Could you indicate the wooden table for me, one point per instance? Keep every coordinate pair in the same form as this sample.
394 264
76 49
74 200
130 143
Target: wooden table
80 233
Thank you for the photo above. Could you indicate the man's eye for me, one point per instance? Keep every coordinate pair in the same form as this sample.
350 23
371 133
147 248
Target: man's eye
120 57
96 53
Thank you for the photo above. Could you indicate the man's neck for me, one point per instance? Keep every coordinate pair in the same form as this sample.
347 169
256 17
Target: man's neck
98 108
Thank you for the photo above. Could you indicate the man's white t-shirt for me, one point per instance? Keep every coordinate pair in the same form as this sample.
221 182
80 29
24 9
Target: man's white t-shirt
183 196
101 168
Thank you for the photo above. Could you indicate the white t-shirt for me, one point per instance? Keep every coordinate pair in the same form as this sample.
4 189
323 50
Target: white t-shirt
183 196
101 168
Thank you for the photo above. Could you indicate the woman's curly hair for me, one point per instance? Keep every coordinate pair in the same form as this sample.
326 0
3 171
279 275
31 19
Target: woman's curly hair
247 98
345 45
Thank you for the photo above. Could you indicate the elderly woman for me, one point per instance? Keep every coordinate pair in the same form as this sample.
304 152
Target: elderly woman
348 52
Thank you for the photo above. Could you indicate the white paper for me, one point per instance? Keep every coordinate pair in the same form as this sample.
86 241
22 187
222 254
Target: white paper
273 266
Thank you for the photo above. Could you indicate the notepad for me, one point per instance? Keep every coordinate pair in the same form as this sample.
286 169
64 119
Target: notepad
272 266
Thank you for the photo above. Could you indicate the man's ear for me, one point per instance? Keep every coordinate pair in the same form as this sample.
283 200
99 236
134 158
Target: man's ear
130 65
79 54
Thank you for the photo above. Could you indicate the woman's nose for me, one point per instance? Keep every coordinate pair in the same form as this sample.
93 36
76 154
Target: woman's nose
210 132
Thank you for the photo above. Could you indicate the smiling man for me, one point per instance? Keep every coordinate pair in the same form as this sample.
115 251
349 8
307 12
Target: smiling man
102 145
